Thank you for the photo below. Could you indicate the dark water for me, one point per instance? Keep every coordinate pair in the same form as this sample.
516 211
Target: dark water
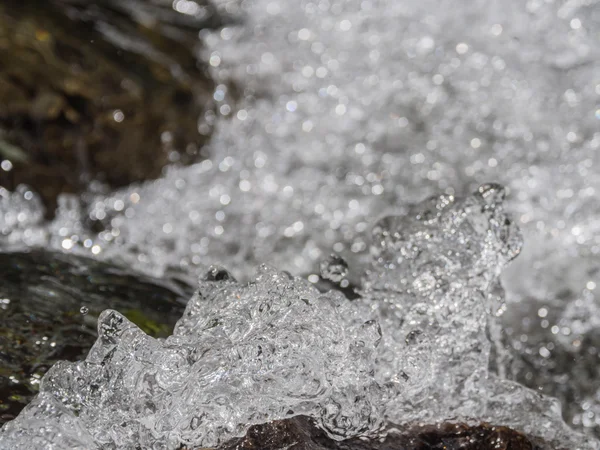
49 303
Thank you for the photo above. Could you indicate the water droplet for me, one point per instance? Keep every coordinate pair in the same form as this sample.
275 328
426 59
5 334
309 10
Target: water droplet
412 337
492 193
195 423
334 268
430 210
424 283
218 273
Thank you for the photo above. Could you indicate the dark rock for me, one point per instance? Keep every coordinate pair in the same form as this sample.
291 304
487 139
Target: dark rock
106 90
49 303
300 433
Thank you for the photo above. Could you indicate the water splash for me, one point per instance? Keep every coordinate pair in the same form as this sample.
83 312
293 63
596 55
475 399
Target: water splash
413 348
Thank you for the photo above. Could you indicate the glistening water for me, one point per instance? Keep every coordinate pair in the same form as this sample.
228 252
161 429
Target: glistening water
343 115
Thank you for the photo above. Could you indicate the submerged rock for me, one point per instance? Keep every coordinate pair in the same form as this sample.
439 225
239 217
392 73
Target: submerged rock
49 304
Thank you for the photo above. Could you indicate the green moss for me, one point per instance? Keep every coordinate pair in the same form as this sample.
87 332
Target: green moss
147 325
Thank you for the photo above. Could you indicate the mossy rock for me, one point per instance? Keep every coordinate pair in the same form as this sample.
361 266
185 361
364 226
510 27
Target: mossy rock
41 320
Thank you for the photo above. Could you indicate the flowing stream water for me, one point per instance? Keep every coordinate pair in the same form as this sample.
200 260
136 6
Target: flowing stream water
376 131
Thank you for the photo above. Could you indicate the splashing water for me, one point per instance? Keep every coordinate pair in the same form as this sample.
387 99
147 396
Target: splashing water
349 111
412 348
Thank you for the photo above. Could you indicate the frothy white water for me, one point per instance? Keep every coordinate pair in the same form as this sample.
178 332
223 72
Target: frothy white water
348 110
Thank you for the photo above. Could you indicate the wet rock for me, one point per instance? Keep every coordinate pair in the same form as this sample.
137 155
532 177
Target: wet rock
109 91
49 304
300 433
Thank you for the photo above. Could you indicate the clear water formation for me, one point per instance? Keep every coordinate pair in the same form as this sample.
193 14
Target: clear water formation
414 347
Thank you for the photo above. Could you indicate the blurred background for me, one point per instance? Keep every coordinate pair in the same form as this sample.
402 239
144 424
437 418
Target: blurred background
100 91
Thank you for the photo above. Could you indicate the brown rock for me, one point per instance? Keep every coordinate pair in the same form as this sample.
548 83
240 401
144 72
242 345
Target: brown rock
105 90
300 433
